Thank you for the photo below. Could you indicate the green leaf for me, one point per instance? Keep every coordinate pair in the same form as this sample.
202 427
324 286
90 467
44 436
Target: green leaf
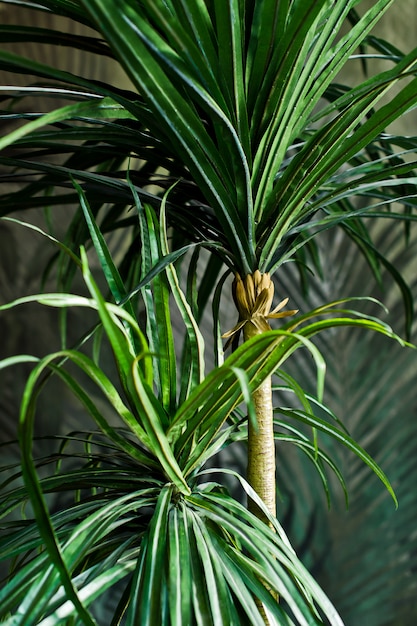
251 548
180 580
59 573
343 438
16 33
16 360
220 393
123 351
157 306
96 109
131 38
65 249
195 338
149 581
217 592
152 417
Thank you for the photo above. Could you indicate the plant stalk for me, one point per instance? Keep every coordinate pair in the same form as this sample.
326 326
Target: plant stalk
261 445
261 473
253 296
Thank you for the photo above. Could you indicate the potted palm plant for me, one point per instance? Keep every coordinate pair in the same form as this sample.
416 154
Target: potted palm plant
231 150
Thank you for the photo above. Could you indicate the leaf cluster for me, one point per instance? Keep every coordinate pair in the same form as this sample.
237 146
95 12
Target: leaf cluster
141 501
237 102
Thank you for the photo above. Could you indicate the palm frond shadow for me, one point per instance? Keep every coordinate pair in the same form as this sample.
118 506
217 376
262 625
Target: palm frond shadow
366 556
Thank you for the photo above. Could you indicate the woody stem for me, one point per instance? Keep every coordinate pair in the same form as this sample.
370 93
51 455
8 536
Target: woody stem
261 455
261 446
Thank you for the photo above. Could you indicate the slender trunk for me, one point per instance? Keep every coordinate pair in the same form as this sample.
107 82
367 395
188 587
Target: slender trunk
253 296
261 457
261 446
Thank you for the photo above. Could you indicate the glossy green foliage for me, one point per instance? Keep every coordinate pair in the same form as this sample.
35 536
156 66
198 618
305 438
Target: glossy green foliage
234 139
239 102
142 504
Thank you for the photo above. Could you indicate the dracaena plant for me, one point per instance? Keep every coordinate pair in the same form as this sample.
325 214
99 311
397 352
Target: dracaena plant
236 107
147 521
